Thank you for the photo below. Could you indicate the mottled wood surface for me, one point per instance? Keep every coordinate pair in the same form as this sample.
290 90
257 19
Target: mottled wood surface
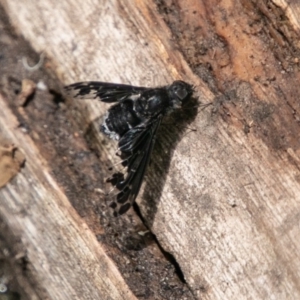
58 244
227 206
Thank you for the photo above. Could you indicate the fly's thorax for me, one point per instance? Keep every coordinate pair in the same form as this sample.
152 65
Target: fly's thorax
152 103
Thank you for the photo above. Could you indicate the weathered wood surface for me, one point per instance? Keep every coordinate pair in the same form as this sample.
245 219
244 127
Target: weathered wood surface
66 260
229 207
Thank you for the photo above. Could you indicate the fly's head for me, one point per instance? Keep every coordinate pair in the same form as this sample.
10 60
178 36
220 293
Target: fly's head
179 91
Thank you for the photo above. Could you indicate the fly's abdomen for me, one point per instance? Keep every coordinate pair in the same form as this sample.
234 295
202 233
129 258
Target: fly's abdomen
120 118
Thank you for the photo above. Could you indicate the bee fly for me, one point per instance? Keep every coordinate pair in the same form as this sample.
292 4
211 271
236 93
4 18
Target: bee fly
133 121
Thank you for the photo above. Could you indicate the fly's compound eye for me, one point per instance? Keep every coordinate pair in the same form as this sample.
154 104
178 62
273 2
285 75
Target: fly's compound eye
180 90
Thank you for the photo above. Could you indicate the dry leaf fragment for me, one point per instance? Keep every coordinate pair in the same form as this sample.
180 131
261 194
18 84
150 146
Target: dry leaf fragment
11 161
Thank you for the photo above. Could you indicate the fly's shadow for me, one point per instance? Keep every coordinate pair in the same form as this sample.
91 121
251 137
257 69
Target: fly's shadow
172 130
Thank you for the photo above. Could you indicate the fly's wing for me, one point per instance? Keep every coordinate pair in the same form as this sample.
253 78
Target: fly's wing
103 91
136 145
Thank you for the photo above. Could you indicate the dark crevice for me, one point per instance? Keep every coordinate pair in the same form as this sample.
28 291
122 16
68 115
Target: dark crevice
166 254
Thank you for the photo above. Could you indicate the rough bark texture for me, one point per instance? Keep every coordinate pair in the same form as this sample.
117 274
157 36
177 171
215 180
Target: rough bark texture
56 242
224 200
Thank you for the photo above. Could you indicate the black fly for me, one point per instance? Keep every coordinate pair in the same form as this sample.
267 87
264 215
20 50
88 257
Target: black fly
133 121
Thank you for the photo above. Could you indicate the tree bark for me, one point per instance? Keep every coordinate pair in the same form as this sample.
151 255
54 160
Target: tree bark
54 239
226 201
